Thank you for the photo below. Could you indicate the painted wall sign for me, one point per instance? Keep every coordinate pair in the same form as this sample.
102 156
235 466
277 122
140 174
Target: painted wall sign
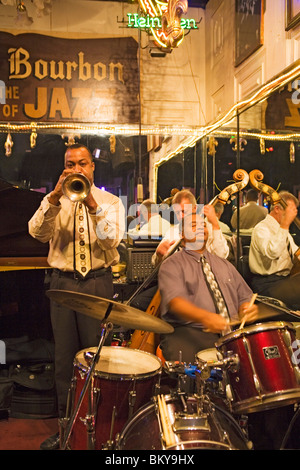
54 79
283 108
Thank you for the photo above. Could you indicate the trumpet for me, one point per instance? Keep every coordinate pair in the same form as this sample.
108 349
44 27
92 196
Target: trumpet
76 187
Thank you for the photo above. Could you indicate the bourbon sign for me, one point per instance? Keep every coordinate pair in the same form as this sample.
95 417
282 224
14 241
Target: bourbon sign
53 79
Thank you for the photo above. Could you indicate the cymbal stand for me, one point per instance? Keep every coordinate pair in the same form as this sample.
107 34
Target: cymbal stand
106 327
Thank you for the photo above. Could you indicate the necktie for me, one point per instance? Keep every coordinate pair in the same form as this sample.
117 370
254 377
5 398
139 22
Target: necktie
214 288
289 248
82 247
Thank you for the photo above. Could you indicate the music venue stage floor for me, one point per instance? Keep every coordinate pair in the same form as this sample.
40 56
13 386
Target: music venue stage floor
25 434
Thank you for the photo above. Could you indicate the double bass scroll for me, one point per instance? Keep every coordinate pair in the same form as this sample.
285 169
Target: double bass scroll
241 179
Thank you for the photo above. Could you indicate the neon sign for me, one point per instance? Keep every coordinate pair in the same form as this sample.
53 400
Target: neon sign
147 22
164 19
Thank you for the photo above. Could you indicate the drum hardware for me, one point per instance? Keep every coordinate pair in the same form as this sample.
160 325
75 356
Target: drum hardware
197 421
106 328
255 377
89 356
288 342
63 422
131 401
110 443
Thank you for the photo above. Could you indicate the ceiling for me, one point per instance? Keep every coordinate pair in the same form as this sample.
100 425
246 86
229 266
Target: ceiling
192 3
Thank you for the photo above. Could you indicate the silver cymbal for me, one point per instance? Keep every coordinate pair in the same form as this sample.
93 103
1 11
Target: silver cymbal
121 314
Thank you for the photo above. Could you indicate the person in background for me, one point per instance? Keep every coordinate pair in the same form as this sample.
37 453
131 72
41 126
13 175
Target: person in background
219 208
272 253
251 213
54 222
184 202
154 226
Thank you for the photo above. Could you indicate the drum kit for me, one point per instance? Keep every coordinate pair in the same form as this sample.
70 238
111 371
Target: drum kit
116 402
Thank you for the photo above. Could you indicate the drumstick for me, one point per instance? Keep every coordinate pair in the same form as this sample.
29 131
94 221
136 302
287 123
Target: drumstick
163 421
168 433
250 305
167 429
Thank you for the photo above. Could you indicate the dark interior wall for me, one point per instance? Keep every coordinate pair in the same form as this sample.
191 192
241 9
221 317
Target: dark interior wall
41 166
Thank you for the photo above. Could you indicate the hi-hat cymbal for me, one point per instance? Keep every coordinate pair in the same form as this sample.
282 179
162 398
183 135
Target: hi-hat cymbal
121 314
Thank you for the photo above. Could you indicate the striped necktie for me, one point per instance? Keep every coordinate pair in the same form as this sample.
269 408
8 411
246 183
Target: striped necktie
289 248
214 289
82 246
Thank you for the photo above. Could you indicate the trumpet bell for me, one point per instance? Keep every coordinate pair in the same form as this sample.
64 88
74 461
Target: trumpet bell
76 187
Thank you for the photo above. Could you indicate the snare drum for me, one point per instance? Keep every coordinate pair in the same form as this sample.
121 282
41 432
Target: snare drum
214 429
124 380
267 376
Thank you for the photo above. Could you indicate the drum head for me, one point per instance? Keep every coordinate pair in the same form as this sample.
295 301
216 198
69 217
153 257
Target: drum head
116 362
208 355
253 329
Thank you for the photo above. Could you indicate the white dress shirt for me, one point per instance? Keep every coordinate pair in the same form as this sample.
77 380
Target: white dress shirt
156 226
55 224
216 242
268 250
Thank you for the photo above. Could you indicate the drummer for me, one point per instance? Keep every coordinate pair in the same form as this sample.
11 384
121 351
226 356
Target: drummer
188 304
53 222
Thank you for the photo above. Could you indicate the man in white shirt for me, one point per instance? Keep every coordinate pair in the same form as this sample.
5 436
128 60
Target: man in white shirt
183 203
272 252
54 222
154 225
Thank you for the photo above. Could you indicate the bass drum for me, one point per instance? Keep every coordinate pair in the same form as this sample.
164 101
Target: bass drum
214 429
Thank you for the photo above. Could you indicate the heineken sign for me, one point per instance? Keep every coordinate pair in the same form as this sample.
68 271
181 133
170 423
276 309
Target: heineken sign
148 22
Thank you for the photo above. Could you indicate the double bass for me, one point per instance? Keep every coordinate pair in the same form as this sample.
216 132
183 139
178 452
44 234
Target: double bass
145 340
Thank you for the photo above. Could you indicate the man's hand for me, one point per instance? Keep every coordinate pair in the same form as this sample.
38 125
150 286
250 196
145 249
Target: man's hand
164 247
210 214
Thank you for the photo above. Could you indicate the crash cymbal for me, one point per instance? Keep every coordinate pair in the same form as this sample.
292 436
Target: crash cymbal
269 307
121 314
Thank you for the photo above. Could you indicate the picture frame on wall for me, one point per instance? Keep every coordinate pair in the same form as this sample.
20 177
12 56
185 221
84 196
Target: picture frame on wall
292 10
248 28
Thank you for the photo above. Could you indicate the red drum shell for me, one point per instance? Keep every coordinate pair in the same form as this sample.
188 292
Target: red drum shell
119 372
267 376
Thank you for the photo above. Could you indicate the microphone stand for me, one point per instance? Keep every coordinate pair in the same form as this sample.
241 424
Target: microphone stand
106 328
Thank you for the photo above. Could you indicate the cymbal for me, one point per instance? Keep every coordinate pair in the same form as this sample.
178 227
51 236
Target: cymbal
121 314
269 307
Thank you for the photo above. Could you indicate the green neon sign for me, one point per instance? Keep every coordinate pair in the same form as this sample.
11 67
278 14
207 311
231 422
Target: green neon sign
147 22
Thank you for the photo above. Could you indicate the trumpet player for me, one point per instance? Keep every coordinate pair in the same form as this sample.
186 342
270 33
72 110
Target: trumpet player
83 238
